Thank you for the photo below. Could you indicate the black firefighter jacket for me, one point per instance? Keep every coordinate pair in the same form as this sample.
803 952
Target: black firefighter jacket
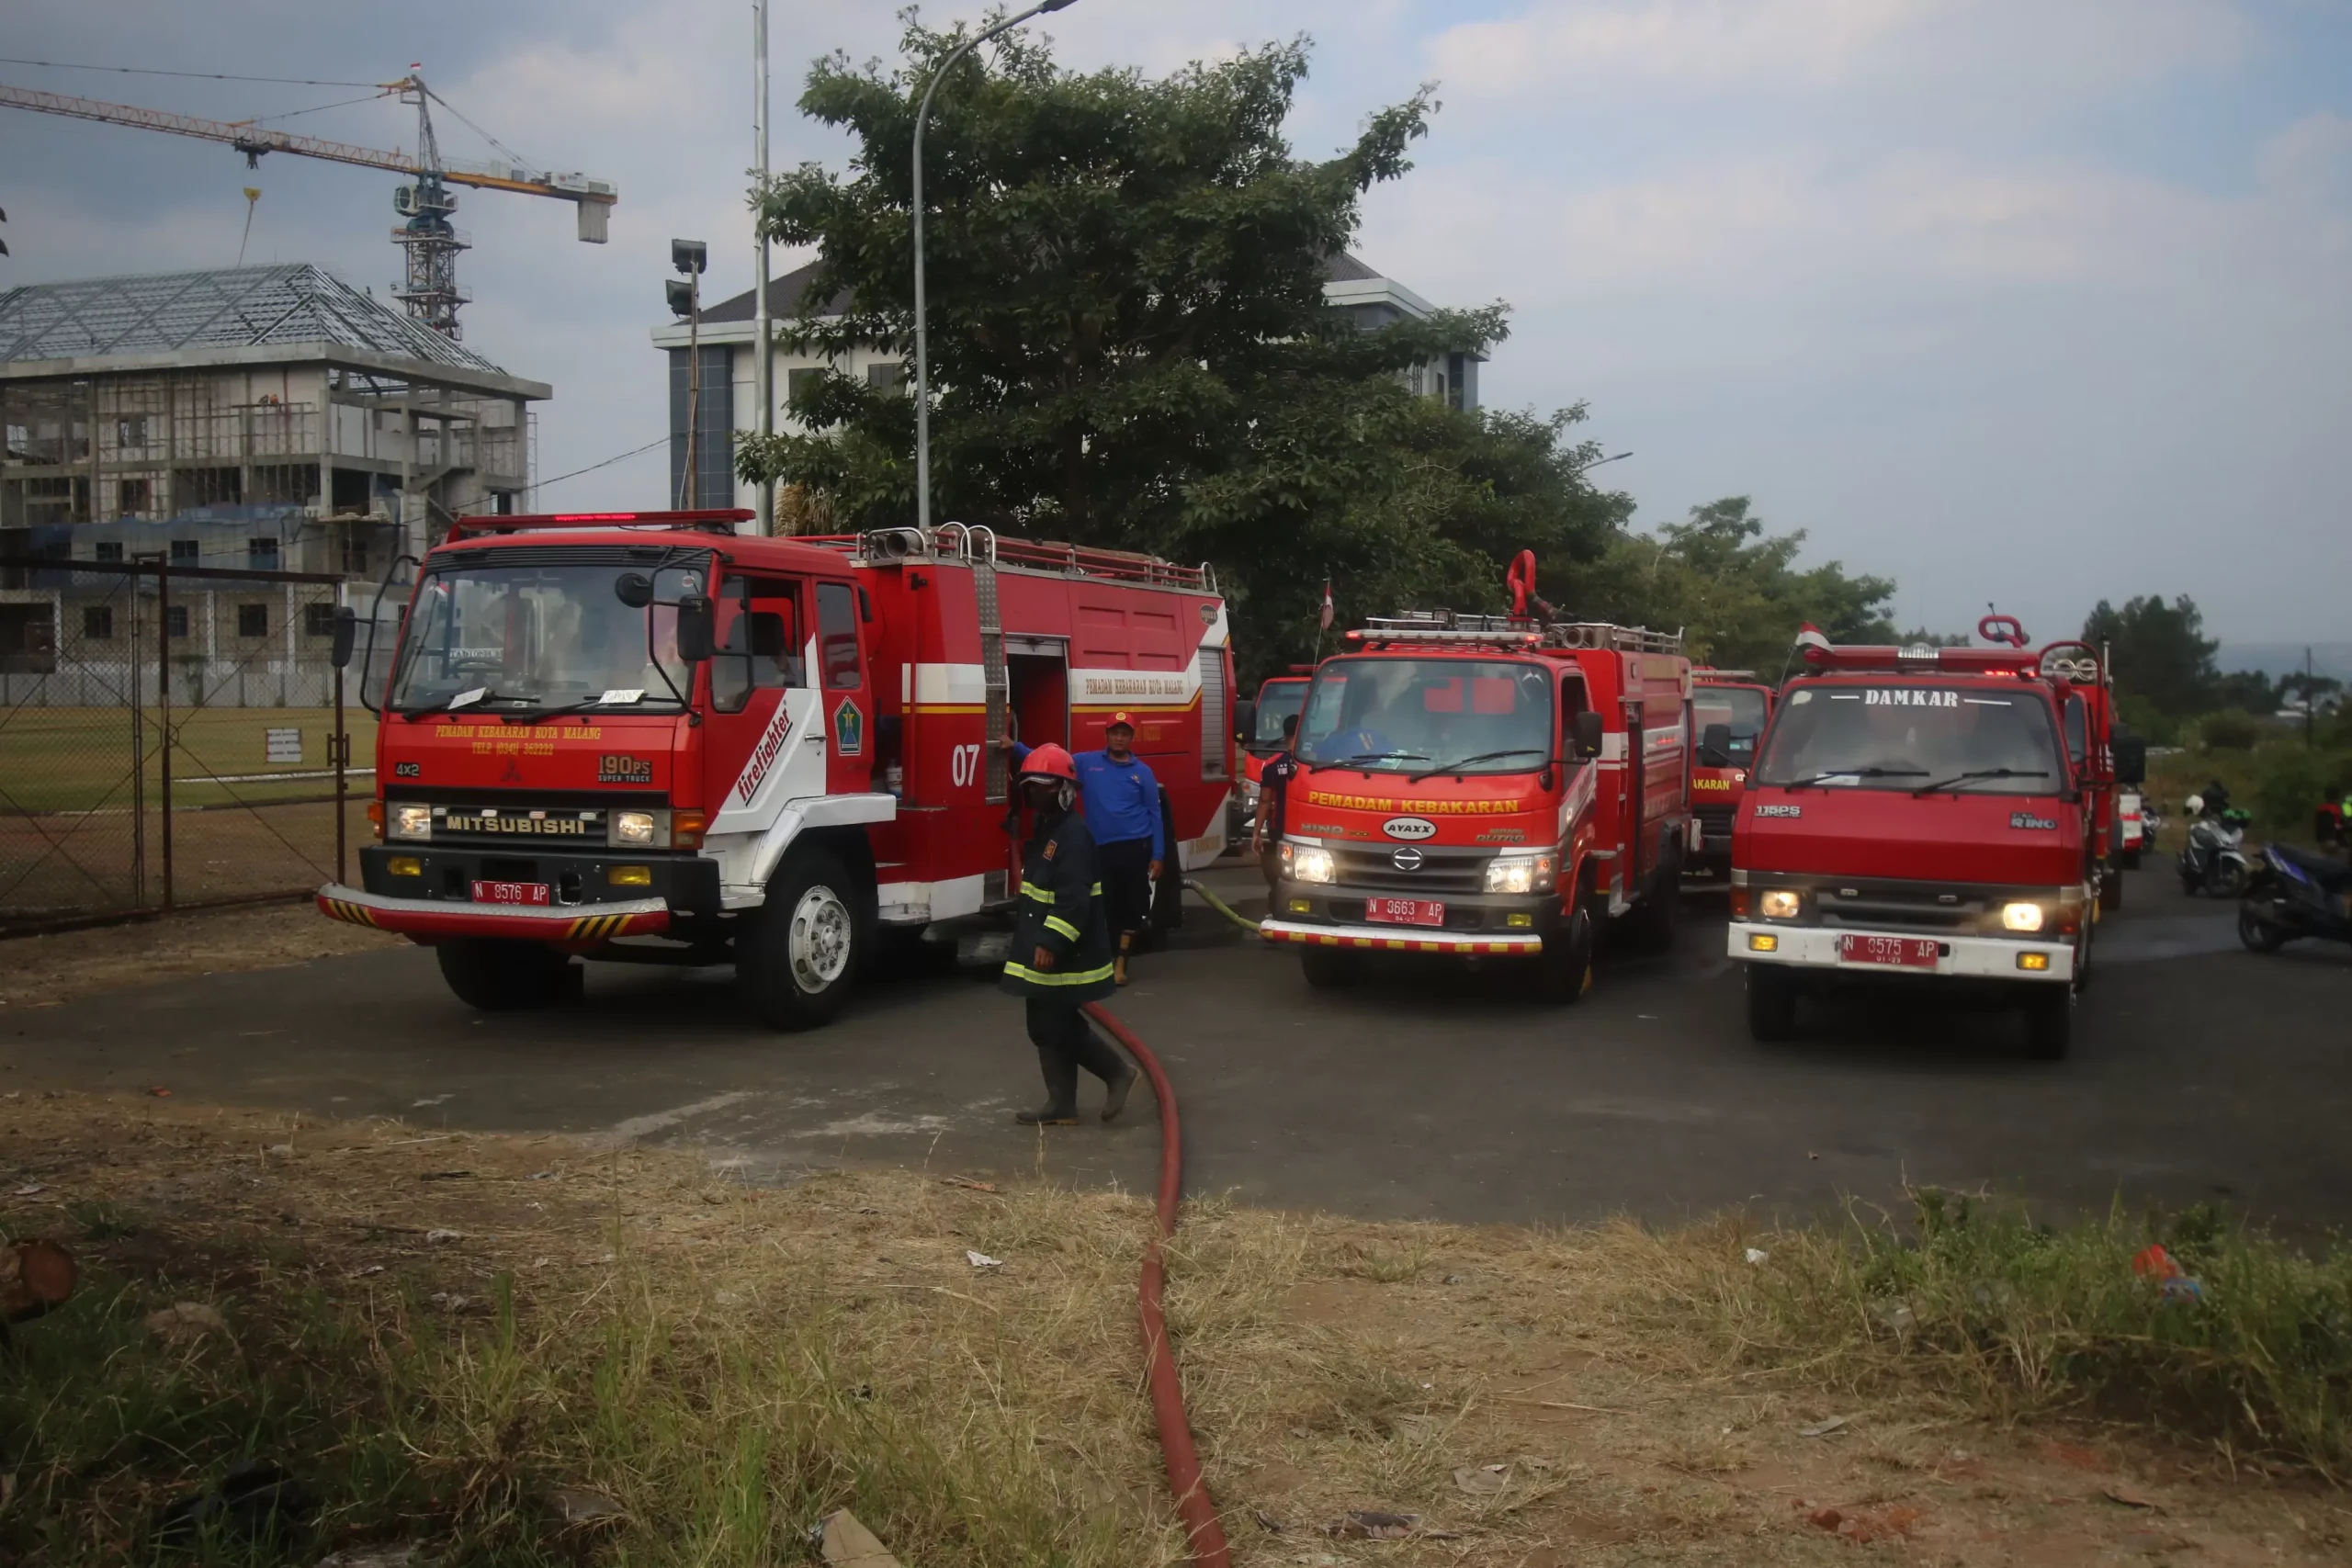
1061 911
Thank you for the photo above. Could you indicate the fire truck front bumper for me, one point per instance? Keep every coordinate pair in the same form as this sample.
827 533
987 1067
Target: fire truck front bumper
1856 952
428 919
1401 939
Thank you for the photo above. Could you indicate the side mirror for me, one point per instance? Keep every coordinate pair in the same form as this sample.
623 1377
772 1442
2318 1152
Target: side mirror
633 588
696 628
2131 760
346 632
1714 745
1244 721
1586 729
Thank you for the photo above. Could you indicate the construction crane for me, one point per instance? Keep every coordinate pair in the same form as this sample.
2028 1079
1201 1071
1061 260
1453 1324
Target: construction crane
427 240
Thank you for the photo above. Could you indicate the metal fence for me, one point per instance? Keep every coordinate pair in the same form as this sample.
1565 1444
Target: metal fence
169 738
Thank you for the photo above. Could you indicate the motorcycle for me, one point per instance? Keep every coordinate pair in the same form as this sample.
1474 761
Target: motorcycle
2296 894
2213 860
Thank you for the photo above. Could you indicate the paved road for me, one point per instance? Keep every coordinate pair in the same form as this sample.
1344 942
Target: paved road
2199 1071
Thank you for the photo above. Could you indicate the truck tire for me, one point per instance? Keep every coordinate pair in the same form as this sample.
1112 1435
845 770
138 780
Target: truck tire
1564 969
1328 968
2050 1023
1771 1003
797 957
499 975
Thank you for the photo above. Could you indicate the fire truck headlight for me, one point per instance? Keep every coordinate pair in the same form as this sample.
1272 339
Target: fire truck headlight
1309 863
412 822
632 826
2021 917
1520 874
1780 903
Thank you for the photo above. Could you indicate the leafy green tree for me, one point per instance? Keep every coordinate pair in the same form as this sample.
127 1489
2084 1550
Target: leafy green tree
2159 653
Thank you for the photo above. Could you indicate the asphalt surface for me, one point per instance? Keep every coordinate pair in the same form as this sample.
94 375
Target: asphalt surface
2199 1072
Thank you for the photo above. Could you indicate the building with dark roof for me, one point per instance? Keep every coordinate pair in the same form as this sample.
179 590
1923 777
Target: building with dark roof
726 401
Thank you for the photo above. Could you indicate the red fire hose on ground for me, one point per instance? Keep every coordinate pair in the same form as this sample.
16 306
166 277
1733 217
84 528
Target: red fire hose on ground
1192 1501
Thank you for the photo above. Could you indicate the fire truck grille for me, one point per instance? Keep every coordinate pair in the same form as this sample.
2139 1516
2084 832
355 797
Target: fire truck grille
1438 871
1715 821
1908 909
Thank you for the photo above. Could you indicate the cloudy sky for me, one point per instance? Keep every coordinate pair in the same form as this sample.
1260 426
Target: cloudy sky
2028 300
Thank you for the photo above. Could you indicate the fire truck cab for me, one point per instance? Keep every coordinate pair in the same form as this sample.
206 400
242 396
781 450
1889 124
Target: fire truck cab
1926 816
1487 787
1729 709
643 737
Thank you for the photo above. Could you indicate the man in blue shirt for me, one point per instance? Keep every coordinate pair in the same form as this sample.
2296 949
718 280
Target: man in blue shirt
1122 803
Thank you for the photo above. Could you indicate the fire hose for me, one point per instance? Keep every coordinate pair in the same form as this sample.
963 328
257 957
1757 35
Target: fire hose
1222 908
1194 1504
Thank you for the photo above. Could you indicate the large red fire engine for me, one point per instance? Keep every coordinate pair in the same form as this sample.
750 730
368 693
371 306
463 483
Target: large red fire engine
642 737
1485 786
1728 711
1931 814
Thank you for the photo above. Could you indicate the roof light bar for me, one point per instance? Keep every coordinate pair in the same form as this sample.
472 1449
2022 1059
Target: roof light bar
715 519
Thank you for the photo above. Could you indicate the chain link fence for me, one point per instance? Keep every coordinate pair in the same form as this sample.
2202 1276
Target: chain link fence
169 738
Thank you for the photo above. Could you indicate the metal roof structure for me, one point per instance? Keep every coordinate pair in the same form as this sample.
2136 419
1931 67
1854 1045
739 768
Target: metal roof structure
227 308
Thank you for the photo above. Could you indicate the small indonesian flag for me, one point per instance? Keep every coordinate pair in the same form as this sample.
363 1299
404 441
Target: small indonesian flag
1323 619
1810 636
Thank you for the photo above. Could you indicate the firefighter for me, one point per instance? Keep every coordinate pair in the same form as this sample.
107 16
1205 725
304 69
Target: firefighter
1122 805
1061 946
1273 786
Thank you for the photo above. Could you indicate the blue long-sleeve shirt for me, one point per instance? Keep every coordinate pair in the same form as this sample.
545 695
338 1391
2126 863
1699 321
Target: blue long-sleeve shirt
1121 799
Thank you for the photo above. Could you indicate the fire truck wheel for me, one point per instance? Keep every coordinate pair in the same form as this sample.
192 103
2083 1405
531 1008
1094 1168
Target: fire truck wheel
1564 969
1328 968
796 961
498 976
2050 1023
1771 1003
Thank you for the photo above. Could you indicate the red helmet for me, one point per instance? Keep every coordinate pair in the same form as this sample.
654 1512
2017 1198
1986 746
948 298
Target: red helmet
1049 761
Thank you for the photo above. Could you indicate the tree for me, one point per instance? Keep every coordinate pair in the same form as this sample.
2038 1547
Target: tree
2158 652
1734 591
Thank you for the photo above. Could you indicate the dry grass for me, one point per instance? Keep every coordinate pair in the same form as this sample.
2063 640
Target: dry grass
729 1362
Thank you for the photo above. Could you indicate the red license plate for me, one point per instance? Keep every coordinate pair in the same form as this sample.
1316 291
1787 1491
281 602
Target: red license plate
509 893
1898 952
1405 912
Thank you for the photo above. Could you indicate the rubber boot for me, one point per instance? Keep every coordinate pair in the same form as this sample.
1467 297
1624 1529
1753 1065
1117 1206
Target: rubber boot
1107 1063
1060 1110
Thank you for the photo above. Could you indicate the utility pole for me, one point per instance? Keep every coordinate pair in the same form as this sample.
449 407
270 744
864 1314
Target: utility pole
763 330
690 257
2310 699
922 355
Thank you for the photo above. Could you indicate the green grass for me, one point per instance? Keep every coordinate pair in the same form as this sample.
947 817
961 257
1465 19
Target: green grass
2280 780
80 758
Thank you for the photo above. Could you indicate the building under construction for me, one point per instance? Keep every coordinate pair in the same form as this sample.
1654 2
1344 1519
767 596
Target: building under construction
264 418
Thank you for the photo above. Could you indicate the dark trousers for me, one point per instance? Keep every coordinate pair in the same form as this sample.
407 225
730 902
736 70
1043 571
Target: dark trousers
1126 885
1064 1043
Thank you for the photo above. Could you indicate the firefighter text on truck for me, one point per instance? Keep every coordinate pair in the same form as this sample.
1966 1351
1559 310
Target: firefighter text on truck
1486 787
643 737
1923 816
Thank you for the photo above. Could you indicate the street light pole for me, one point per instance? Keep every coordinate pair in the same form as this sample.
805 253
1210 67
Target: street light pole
923 348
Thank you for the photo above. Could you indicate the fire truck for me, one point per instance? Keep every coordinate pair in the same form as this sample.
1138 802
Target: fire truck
1488 788
1929 816
645 737
1260 732
1728 711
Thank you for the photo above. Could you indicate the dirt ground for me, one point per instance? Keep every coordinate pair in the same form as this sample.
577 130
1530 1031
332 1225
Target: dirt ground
40 971
1532 1398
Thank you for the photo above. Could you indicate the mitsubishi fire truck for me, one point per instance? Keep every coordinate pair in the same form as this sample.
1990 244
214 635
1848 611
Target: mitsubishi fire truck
644 738
1486 787
1728 711
1927 817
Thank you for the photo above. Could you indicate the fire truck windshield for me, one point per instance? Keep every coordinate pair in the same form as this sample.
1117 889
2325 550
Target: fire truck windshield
1740 708
1987 740
540 638
1421 715
1277 700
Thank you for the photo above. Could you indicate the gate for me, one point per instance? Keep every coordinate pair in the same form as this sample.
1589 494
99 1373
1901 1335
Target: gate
170 738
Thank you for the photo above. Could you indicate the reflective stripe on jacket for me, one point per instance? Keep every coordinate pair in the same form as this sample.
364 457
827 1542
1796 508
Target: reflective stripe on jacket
1060 910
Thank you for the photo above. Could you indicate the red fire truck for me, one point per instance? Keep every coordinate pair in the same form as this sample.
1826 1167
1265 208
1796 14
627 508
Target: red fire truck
1728 711
644 738
1926 815
1485 786
1260 733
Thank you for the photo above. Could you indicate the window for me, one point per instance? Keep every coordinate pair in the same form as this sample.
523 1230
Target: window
798 382
355 554
253 620
98 622
837 635
133 497
883 377
1906 735
27 639
183 552
130 432
107 549
758 640
317 620
261 554
175 620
